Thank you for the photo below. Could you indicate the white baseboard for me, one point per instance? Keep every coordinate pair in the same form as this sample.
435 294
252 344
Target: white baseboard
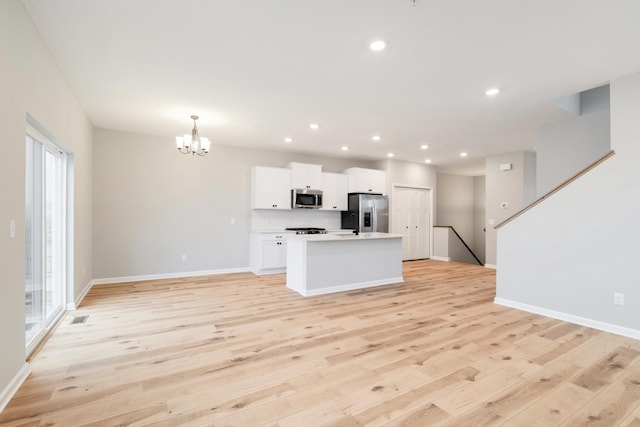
141 278
71 306
269 271
493 266
441 258
11 389
595 324
349 287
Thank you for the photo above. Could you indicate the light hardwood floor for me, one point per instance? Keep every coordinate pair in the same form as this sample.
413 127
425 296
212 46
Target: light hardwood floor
243 350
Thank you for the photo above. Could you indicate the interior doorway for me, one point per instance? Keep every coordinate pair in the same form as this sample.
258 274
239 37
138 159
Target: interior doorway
411 217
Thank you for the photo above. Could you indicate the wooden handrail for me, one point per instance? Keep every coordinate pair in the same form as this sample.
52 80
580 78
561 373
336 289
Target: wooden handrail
556 189
461 239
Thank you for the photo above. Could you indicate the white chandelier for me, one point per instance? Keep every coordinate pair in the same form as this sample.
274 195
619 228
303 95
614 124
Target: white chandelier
193 143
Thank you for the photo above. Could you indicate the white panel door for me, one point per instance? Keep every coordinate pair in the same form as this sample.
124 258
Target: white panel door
422 224
412 219
401 219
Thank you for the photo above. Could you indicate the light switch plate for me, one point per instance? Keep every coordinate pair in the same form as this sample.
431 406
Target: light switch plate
12 229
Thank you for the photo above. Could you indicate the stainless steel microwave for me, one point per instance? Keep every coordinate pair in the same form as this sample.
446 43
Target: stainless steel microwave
306 199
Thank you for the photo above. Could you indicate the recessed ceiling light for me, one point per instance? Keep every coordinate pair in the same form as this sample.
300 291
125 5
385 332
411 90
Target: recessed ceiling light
463 154
377 45
288 140
492 91
376 137
427 161
314 126
344 148
389 154
424 146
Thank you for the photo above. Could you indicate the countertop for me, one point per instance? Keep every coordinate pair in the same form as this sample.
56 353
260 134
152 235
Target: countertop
272 231
348 236
339 231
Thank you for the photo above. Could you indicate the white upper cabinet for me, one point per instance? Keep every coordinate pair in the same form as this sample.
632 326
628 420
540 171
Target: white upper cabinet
363 180
270 188
305 175
334 192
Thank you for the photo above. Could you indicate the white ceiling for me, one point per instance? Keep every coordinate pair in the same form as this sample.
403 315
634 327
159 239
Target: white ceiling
257 71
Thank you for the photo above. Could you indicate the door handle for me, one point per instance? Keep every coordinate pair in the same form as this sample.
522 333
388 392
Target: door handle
374 223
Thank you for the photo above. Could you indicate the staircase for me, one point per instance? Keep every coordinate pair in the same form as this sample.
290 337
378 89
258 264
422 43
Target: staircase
448 245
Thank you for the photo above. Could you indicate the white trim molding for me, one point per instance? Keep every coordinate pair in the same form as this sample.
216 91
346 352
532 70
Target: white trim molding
492 266
441 258
71 306
111 280
12 388
602 326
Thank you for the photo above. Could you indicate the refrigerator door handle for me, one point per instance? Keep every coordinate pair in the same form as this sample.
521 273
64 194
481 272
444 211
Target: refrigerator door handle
374 222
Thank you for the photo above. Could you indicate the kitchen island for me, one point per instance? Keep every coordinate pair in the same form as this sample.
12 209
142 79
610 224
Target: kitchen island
325 263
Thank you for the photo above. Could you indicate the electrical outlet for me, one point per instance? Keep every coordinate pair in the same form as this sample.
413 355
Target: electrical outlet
618 298
184 257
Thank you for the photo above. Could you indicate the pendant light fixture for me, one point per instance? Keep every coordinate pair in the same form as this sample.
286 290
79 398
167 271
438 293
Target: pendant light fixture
193 143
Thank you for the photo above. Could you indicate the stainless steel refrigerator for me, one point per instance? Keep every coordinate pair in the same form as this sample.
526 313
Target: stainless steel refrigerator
368 212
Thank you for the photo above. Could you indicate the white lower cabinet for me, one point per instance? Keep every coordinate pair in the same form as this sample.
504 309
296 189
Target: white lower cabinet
268 253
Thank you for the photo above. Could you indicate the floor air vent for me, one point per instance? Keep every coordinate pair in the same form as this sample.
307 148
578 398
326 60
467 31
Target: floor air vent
79 319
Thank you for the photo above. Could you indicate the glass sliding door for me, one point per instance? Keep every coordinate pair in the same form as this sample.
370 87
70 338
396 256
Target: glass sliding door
34 229
45 257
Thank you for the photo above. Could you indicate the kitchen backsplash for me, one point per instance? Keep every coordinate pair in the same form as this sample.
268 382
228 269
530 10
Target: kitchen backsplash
262 220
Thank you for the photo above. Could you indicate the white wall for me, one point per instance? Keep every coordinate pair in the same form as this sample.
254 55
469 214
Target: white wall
461 203
441 243
154 204
406 174
401 173
513 187
566 147
568 255
32 84
455 204
458 251
479 228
